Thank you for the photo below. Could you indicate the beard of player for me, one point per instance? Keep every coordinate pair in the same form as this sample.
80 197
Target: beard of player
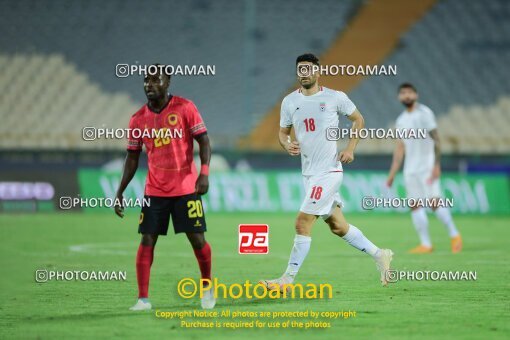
308 83
408 102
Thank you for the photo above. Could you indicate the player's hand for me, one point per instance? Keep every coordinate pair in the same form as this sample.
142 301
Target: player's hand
436 173
346 156
389 181
202 184
293 148
119 209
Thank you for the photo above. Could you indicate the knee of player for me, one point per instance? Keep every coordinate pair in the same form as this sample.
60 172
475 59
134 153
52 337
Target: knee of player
302 226
197 240
149 240
197 244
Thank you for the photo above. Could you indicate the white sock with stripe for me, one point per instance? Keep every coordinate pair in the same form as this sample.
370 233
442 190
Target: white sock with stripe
359 241
297 255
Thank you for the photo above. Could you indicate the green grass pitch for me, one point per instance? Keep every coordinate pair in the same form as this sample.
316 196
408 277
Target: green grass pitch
412 309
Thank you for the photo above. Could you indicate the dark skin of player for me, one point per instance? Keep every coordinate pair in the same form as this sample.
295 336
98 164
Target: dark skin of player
156 91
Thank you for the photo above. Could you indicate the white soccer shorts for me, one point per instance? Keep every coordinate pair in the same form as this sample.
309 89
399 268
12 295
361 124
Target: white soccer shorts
322 193
417 186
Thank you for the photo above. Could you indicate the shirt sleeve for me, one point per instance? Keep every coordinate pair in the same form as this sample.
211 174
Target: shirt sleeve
134 144
344 105
285 116
429 120
196 124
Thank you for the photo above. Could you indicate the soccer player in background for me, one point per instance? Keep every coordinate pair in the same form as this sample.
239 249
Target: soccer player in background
422 168
173 185
311 110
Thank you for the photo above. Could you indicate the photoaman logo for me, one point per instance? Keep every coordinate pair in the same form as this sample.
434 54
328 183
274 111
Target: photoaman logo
253 239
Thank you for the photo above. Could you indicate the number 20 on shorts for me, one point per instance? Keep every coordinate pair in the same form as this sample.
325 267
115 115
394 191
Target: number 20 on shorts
195 209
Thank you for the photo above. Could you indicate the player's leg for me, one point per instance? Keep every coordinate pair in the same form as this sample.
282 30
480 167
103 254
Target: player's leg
444 215
144 259
188 217
302 241
352 235
415 189
421 225
320 193
202 251
153 222
300 249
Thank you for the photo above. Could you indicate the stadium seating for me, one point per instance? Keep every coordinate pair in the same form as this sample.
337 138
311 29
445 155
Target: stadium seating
63 102
460 77
252 44
66 65
451 60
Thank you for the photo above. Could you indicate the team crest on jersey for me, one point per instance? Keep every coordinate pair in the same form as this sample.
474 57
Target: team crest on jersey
172 119
322 106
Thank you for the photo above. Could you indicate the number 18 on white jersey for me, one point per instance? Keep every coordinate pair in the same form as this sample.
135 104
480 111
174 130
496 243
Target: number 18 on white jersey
311 116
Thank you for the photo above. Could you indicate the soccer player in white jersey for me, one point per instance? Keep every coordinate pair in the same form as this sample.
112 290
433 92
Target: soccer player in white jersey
422 168
311 110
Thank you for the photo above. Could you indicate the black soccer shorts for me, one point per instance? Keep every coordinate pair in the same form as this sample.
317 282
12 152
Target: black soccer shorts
187 215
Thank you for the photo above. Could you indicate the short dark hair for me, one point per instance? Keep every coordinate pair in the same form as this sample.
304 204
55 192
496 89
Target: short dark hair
407 86
162 66
308 57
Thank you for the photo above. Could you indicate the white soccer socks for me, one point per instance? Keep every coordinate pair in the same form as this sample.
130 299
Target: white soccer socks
444 215
356 239
421 224
297 255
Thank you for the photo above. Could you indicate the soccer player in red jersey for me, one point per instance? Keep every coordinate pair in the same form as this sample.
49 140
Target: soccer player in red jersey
173 185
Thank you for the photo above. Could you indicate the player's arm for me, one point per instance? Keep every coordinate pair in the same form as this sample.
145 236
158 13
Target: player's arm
130 167
292 147
436 171
204 150
358 123
398 157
